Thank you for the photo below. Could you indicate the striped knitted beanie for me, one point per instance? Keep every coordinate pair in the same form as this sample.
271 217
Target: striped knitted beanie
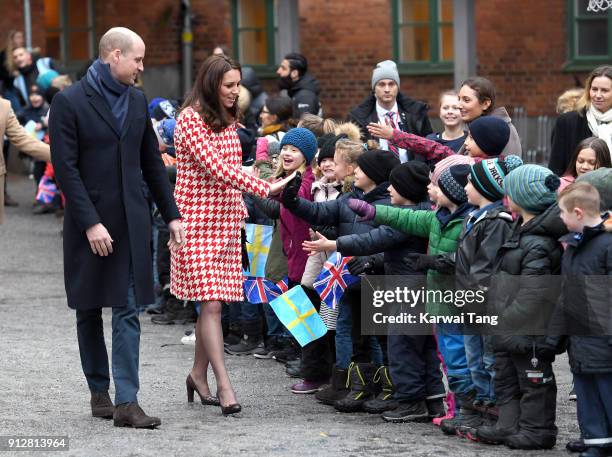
488 176
532 187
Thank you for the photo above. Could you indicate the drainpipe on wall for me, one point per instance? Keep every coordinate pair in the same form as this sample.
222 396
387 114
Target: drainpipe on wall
27 19
187 46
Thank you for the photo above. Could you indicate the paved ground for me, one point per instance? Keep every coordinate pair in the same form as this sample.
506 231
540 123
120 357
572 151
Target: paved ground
43 391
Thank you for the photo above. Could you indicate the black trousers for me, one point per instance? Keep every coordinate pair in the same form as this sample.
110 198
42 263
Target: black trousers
535 388
415 367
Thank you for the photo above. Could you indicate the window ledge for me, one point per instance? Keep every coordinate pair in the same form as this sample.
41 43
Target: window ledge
263 71
445 68
584 65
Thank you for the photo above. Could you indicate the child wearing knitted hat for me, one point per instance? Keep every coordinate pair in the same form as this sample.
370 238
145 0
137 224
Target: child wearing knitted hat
371 183
487 138
483 233
524 299
456 159
442 228
413 363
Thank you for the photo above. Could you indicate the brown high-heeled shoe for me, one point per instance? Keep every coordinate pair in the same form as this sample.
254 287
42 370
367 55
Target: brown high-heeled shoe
231 409
206 399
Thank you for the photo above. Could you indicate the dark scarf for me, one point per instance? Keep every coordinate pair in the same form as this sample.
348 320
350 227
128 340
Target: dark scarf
115 93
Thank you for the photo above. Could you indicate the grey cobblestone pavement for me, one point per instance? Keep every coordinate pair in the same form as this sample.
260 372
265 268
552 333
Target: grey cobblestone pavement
43 391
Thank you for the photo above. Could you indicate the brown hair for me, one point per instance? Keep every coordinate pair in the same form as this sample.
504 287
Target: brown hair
585 100
204 97
317 124
602 154
485 90
580 195
450 93
9 64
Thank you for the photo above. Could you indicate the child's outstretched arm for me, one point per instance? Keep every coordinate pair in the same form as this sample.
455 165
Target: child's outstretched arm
410 221
428 149
324 213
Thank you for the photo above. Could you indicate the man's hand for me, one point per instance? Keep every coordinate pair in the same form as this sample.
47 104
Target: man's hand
100 240
177 235
380 130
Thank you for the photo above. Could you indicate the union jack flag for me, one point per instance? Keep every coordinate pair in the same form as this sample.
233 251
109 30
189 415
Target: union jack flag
46 190
261 290
334 279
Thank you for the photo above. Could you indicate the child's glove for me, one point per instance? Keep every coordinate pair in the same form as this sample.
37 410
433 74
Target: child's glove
360 264
289 196
422 262
363 209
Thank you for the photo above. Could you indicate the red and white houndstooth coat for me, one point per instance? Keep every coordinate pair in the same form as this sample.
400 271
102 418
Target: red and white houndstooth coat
209 186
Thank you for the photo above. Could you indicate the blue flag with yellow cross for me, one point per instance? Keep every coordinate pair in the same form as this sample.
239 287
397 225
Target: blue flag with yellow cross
259 239
295 310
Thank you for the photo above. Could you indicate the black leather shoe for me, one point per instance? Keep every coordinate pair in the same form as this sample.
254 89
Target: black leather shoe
294 372
132 415
596 452
102 405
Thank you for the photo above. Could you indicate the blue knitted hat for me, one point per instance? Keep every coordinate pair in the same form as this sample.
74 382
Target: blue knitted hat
488 176
532 187
452 183
304 140
490 133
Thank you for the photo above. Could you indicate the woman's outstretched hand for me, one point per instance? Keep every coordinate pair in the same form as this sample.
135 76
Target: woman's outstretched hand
278 186
319 245
380 130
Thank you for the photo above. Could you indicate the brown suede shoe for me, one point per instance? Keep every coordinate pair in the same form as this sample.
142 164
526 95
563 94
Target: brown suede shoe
132 415
102 405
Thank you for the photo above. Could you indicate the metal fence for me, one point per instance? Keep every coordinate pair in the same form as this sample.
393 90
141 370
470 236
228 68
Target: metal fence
535 134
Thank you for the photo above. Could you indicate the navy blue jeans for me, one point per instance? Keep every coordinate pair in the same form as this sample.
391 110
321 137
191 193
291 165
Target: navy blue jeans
126 348
594 392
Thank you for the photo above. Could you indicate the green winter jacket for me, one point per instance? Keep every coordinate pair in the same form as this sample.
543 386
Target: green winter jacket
442 238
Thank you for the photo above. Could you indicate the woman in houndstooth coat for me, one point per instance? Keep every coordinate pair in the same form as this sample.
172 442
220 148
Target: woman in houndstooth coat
209 186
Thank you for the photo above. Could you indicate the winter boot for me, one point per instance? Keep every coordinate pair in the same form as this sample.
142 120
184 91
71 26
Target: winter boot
527 442
177 312
233 335
507 424
290 351
338 389
251 339
384 400
408 411
362 388
467 416
435 407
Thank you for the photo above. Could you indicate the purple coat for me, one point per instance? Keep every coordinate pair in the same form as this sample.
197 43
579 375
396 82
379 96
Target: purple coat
294 231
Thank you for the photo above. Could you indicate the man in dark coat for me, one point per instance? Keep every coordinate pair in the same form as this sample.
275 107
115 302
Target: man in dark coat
102 147
300 85
388 105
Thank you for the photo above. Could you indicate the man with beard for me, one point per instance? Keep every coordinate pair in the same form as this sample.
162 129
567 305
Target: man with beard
387 105
300 85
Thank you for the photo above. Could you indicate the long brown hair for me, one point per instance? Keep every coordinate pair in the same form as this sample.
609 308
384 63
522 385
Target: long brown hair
602 154
585 100
204 97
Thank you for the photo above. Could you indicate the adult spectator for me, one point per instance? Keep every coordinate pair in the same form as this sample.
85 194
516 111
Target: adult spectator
592 117
103 148
388 105
14 40
9 126
300 85
29 68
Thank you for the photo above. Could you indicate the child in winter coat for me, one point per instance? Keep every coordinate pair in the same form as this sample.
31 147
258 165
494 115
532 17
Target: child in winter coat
413 363
371 183
585 312
524 297
491 132
318 356
590 154
442 227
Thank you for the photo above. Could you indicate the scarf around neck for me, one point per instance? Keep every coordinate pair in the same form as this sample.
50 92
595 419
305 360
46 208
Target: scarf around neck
601 125
115 93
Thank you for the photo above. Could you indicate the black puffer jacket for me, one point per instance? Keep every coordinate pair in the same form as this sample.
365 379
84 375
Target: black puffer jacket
396 245
413 115
523 294
337 212
305 96
587 258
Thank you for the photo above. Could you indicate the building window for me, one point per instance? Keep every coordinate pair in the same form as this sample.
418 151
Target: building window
255 33
423 35
69 31
590 40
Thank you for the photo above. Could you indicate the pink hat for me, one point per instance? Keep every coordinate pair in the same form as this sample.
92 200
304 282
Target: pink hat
447 162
